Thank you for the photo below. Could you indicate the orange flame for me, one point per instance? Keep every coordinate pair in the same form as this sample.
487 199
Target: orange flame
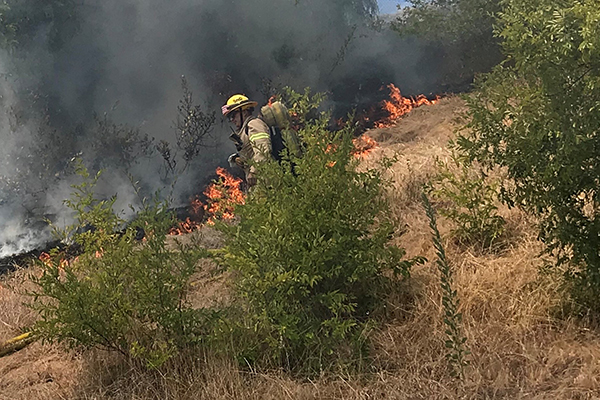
363 145
398 106
223 196
190 224
187 226
47 260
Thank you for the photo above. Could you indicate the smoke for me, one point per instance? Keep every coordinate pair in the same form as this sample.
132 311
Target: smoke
126 58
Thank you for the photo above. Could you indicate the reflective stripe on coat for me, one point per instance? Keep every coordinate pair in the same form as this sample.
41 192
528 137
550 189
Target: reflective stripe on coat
255 142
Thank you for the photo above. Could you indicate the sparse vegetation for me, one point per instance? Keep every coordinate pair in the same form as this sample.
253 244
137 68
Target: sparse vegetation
192 129
468 198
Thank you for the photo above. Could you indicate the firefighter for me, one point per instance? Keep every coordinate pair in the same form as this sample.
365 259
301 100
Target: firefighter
252 138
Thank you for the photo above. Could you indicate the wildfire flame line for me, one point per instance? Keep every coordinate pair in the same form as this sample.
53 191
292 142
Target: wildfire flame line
398 106
225 194
222 197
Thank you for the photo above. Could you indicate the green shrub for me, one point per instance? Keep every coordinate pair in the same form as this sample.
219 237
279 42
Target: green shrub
120 293
538 117
468 199
303 107
311 254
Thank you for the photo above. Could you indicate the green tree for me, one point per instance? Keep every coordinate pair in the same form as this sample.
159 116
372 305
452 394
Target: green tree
538 116
462 29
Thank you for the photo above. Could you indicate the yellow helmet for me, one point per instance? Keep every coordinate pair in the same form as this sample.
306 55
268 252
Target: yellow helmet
236 102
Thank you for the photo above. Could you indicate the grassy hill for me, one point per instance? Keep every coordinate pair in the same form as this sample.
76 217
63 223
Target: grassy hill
522 346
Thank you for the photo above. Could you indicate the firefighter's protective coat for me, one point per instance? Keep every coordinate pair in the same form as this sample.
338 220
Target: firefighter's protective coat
253 143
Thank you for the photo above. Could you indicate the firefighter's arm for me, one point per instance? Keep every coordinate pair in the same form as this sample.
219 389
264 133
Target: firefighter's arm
260 139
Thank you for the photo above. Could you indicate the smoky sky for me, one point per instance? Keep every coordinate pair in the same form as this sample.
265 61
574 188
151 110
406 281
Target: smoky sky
131 54
126 59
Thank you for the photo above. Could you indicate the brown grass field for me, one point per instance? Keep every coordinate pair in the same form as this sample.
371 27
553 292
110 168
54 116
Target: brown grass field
522 346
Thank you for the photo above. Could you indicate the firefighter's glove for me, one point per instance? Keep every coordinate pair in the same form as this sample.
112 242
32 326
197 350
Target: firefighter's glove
234 160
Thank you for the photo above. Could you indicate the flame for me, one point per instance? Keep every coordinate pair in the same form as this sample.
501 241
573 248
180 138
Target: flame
398 106
363 145
47 260
187 226
223 196
190 224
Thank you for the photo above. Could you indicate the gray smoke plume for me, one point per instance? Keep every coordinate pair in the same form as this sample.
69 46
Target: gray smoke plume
112 83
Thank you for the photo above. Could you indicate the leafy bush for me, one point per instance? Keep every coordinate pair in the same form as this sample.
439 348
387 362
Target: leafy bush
303 107
120 293
311 253
468 199
537 116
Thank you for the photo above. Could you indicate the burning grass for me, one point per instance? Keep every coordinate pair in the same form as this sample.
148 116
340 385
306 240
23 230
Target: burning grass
521 347
221 198
363 145
191 223
398 106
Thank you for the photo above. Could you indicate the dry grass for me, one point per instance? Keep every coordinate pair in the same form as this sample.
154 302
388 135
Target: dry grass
520 349
39 371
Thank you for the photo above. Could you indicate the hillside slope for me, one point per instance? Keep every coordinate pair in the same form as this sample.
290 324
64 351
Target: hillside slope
521 347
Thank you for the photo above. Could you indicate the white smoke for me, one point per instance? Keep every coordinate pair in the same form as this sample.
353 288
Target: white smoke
16 205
